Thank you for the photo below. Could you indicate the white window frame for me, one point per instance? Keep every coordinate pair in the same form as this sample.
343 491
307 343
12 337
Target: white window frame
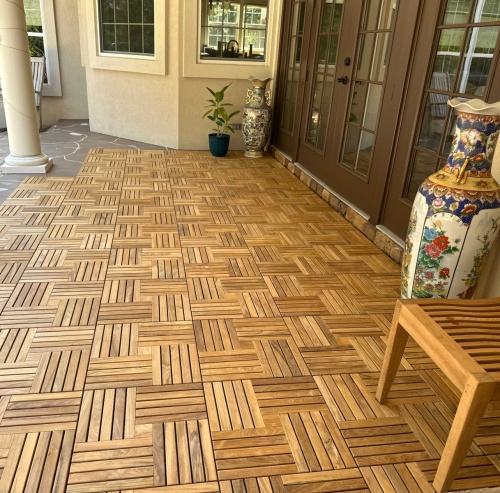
126 55
53 86
93 57
193 66
240 26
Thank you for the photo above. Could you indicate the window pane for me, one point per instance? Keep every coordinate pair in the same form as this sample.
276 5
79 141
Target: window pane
447 57
423 165
235 30
33 15
121 11
477 59
326 18
372 57
136 39
450 133
135 11
433 122
358 102
457 11
122 43
108 10
108 37
378 15
148 11
149 40
36 46
357 153
490 11
122 27
350 154
372 106
365 153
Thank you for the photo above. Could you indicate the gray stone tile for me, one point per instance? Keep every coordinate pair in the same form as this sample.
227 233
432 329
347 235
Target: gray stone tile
67 143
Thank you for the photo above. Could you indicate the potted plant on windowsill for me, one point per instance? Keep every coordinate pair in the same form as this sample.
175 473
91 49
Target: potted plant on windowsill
219 142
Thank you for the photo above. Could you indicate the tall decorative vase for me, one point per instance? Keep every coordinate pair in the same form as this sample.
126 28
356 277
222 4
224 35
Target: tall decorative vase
455 218
256 118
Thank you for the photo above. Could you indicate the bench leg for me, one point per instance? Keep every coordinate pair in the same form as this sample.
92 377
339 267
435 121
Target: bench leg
476 397
393 354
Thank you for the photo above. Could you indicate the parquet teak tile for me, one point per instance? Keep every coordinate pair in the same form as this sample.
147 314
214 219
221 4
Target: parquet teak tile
172 322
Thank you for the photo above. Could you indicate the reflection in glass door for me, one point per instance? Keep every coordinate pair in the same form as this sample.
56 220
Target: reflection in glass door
324 73
368 79
295 42
462 61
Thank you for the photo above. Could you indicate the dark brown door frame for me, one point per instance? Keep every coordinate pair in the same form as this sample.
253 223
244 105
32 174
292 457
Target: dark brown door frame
286 141
393 99
322 162
396 209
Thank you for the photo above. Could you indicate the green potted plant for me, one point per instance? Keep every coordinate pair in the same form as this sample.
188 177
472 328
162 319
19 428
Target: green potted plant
219 142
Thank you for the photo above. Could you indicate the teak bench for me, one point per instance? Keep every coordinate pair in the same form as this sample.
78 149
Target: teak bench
462 337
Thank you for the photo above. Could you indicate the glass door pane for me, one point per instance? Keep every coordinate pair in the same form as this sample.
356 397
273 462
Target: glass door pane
366 94
324 73
295 43
461 67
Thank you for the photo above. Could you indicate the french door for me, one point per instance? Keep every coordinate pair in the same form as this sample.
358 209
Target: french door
332 96
457 55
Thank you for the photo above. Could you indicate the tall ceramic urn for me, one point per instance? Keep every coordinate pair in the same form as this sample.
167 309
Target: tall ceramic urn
256 118
456 214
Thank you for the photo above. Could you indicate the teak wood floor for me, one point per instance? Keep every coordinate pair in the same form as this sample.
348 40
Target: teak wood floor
175 323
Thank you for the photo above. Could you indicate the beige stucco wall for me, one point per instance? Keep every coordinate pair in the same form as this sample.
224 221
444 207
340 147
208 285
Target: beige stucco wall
140 107
164 108
73 102
193 131
122 99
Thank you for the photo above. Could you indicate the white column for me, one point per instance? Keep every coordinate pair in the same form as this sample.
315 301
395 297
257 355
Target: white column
18 94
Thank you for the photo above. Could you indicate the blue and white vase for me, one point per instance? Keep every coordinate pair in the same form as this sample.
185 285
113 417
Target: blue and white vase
257 116
455 218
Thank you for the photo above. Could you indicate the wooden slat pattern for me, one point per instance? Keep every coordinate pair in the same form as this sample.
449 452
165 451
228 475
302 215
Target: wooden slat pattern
178 323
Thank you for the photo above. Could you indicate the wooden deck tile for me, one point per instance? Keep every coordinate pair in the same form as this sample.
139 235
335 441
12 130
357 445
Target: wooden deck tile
169 403
252 453
111 466
382 441
288 395
107 414
173 322
188 458
343 480
215 335
41 412
316 441
126 371
48 453
232 405
237 364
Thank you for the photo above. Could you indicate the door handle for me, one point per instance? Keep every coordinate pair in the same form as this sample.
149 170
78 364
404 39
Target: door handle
344 80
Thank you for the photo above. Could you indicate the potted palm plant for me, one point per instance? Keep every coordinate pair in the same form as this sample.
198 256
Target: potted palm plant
219 142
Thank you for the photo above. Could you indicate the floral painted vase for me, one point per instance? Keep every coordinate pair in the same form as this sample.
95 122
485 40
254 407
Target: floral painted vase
455 218
256 118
